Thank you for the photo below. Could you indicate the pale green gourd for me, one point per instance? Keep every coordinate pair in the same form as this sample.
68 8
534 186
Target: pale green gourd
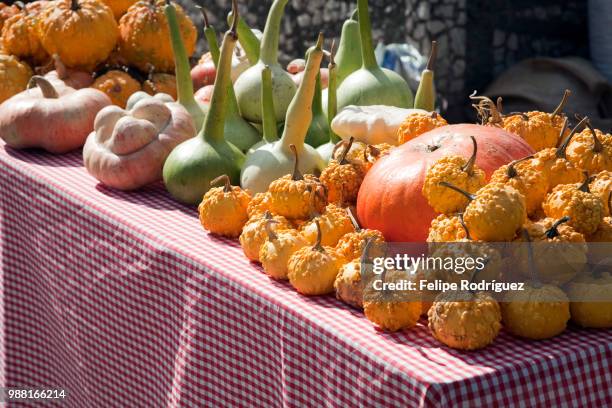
371 84
318 132
349 57
326 150
269 125
248 84
248 40
184 86
237 131
425 97
275 160
193 164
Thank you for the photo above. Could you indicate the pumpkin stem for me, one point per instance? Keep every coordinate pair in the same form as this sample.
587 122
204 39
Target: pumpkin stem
434 115
584 187
268 226
369 152
314 194
366 248
532 266
597 145
511 172
554 231
562 104
45 86
296 171
562 149
433 55
21 6
486 109
610 203
74 5
317 246
225 179
464 226
467 195
347 147
354 221
469 166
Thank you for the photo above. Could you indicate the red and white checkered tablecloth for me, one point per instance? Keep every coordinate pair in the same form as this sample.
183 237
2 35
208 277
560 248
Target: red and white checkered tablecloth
124 301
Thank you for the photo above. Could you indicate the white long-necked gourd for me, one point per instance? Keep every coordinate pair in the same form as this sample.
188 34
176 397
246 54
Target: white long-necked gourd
371 84
237 130
193 164
248 85
274 160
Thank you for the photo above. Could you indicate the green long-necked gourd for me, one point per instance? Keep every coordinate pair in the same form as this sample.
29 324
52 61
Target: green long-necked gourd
348 58
248 85
184 86
318 132
371 84
425 97
269 126
248 40
326 150
274 160
237 130
193 164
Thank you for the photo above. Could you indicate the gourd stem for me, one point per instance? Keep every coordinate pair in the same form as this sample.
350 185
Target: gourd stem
347 147
370 151
469 166
464 226
332 89
46 88
214 124
356 225
487 110
248 40
366 248
74 5
365 30
467 195
561 151
227 188
296 165
432 56
511 172
184 88
355 15
553 231
562 104
317 246
584 187
610 203
270 131
211 37
268 53
597 145
299 114
269 231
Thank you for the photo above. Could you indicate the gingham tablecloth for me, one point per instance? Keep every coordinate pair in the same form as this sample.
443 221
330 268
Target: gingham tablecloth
124 301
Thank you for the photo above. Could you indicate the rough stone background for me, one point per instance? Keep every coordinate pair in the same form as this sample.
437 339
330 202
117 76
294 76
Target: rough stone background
477 39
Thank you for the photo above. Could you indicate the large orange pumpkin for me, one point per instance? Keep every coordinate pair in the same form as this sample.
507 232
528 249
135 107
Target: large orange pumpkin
390 198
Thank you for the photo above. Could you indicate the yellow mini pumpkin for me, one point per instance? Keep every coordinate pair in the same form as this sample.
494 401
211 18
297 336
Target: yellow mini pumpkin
275 252
20 34
342 178
82 32
160 83
254 233
526 179
495 213
391 310
14 76
119 7
601 185
334 223
259 204
296 196
464 320
458 171
584 208
591 300
348 284
591 150
144 36
6 12
355 154
446 228
416 124
118 85
351 245
223 210
599 250
313 270
538 312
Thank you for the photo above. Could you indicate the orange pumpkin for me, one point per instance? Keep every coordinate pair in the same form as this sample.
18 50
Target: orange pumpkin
390 198
20 34
118 85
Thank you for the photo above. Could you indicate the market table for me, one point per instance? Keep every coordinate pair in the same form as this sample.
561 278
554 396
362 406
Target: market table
124 301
